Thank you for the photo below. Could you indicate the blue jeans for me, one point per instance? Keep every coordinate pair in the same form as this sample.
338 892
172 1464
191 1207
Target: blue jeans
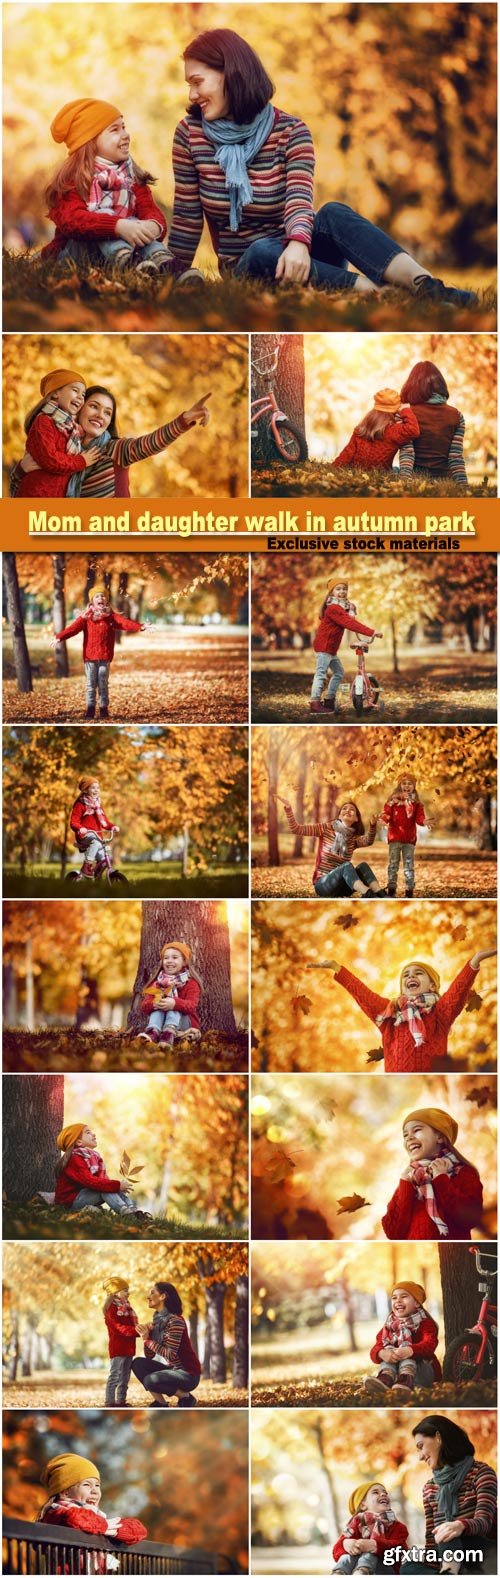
324 664
171 1020
92 847
118 1379
117 1202
97 677
118 252
365 1563
340 236
339 882
163 1378
406 852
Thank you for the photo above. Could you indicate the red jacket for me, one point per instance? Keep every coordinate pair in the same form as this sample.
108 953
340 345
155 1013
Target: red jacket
401 1055
84 820
379 453
98 634
47 444
186 999
331 628
77 1175
91 1521
73 219
459 1201
402 821
397 1534
122 1334
423 1344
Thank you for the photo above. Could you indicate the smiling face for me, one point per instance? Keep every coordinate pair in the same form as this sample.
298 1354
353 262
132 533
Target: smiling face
114 142
70 398
340 590
429 1449
206 88
96 415
415 980
407 786
421 1142
172 961
348 814
403 1303
377 1501
88 1491
155 1299
87 1138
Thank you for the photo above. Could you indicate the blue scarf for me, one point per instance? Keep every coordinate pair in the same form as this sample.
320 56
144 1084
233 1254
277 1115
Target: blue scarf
75 484
236 147
449 1479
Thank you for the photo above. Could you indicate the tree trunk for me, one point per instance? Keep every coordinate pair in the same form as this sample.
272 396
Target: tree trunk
59 613
300 804
395 663
240 1360
202 924
33 1108
14 1350
272 805
185 850
288 382
193 1328
205 1369
88 1008
10 994
459 1281
349 1313
215 1295
30 985
15 617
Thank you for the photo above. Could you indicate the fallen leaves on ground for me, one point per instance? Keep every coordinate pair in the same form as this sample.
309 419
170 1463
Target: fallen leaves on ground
459 877
317 479
41 1221
84 1391
69 1050
176 688
347 1393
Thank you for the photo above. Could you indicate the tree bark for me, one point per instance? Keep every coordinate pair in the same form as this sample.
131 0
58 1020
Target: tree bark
287 381
240 1360
193 1329
30 985
59 613
205 1368
215 1295
272 805
15 617
395 663
300 804
33 1108
88 1007
203 926
459 1281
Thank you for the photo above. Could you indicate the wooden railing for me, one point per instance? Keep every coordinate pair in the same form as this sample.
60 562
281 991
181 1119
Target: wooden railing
45 1548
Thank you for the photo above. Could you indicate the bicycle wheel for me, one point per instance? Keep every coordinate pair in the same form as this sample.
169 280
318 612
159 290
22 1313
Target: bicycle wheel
290 442
375 688
358 702
459 1362
117 876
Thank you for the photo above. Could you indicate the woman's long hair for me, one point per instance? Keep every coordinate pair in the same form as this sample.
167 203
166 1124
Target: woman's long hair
171 1297
247 86
424 381
77 174
456 1444
96 389
374 424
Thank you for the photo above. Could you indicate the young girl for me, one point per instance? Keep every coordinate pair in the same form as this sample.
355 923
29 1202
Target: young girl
377 438
171 998
334 873
371 1530
100 200
440 1194
414 1026
402 814
54 439
99 623
74 1488
123 1330
337 615
87 822
405 1348
81 1177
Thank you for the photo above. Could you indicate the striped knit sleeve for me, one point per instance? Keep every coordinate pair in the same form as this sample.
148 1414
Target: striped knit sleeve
299 213
187 219
481 1524
456 460
125 451
309 829
171 1338
406 460
429 1500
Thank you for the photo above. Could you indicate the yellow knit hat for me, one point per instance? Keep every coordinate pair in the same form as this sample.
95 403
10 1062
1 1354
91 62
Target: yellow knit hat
116 1285
182 947
336 580
67 1469
84 783
81 120
69 1135
438 1120
387 400
99 591
57 380
359 1494
414 1288
419 965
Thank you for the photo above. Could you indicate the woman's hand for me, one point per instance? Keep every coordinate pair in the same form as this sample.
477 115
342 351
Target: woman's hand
448 1531
137 231
91 455
198 413
323 964
485 953
294 265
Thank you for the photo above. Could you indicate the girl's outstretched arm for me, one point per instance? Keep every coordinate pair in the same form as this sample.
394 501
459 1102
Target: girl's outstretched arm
452 1002
370 1003
485 953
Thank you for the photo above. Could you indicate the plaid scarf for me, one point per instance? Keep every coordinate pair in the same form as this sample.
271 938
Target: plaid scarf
424 1186
112 189
93 803
409 1012
66 423
123 1308
369 1524
400 1329
344 840
164 979
93 1159
342 602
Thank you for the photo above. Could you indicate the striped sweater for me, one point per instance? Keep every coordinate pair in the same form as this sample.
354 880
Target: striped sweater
282 181
336 842
100 480
168 1340
476 1509
439 447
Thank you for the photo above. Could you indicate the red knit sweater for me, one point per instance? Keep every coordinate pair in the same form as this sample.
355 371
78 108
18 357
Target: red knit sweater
397 1534
186 998
98 634
423 1344
73 219
122 1335
77 1175
459 1201
84 820
401 1055
379 452
47 444
331 628
91 1521
402 821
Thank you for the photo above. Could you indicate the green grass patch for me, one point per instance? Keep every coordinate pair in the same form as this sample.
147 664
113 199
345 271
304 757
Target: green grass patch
36 1220
144 880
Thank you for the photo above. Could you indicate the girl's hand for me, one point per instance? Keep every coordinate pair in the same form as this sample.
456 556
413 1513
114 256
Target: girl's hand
437 1167
91 455
198 412
325 965
448 1531
166 1003
366 1545
137 231
485 953
294 264
28 464
405 1352
390 1353
351 1547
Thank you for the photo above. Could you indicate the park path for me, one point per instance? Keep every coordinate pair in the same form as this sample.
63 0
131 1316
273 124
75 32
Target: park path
452 875
84 1389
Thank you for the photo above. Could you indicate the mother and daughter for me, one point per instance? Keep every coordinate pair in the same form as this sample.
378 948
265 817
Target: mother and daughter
335 874
419 422
240 164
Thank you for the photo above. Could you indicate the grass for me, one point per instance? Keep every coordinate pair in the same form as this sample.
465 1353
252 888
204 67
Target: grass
42 295
36 1220
68 1050
144 880
318 478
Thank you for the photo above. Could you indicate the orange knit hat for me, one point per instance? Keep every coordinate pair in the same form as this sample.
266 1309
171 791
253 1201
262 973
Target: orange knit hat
415 1290
85 783
387 400
81 120
57 380
181 947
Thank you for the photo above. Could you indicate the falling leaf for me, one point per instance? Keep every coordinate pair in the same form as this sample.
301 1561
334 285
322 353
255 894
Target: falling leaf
350 1203
346 922
458 933
302 1004
474 1000
481 1096
376 1055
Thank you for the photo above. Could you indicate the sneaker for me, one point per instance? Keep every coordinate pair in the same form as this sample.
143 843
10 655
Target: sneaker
140 1216
146 1035
315 706
401 1393
187 1402
409 892
330 704
391 893
448 295
188 1035
191 276
166 1038
158 1404
375 1387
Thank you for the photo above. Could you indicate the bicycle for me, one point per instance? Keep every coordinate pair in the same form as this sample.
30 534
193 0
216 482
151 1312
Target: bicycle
365 688
473 1354
110 872
287 438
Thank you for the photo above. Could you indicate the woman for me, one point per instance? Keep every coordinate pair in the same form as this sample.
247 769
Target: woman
108 477
247 168
335 875
438 447
460 1498
170 1367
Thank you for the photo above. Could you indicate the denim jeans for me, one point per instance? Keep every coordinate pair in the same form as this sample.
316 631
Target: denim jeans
118 1379
340 236
97 677
117 1202
398 1369
92 847
116 251
395 853
324 664
163 1378
461 1542
339 882
365 1563
171 1020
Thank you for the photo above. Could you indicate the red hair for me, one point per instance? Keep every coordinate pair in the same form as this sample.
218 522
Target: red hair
77 172
424 381
374 424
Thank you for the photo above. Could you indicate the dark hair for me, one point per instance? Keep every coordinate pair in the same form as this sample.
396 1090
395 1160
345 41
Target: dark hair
170 1296
360 826
247 86
96 389
424 380
456 1444
374 424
